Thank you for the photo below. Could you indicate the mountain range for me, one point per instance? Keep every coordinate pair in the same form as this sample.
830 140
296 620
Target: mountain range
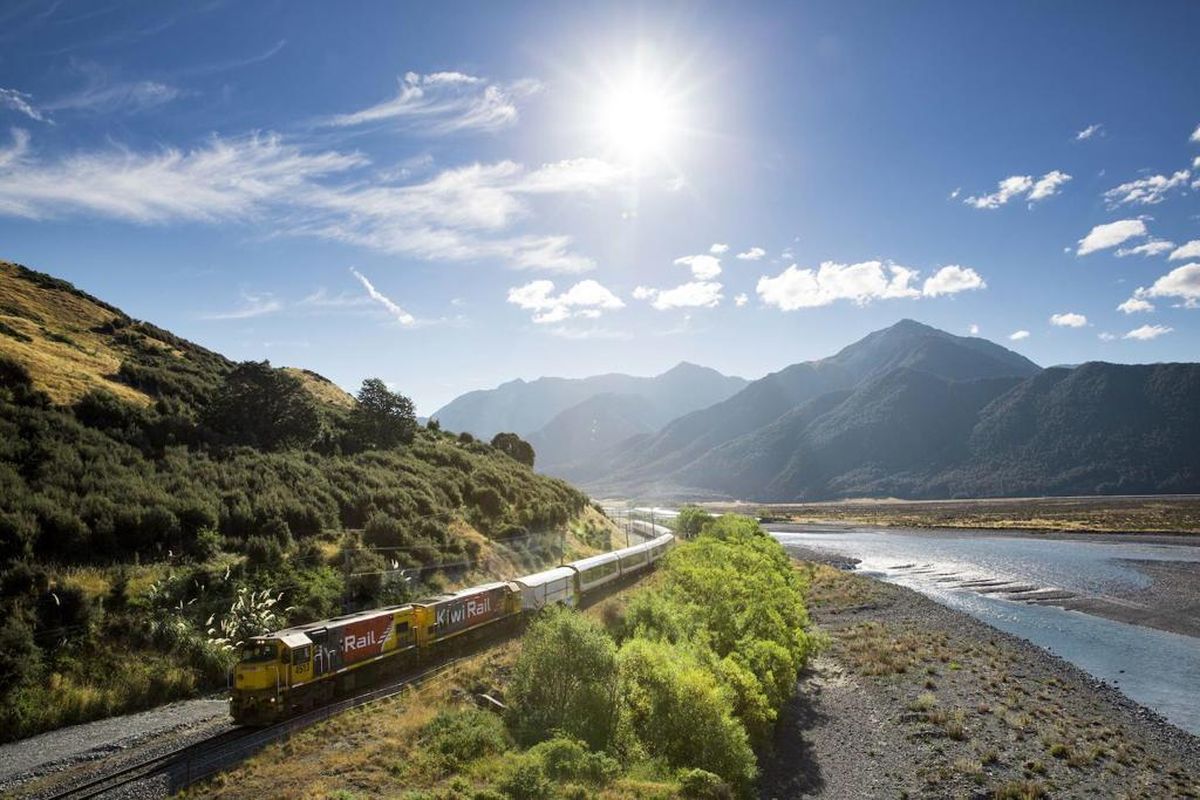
571 420
908 411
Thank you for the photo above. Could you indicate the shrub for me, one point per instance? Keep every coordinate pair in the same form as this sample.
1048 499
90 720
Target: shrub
63 611
20 658
525 779
462 735
566 759
565 680
698 784
264 553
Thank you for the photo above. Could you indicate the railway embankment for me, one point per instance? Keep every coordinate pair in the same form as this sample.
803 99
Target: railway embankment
911 698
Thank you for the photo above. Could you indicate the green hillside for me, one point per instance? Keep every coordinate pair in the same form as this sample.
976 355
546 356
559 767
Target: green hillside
146 484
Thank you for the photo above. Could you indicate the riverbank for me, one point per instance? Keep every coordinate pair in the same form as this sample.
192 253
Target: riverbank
914 699
1165 514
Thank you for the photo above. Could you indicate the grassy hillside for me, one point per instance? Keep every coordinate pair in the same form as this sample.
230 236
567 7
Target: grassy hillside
142 502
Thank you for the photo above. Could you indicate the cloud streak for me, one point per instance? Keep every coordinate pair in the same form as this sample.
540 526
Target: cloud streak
1017 186
445 102
399 314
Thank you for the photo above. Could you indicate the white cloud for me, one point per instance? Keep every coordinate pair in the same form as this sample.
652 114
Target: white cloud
954 195
1153 247
20 102
1089 132
586 299
1016 186
1048 184
1195 137
1106 336
1189 250
703 267
1010 187
1017 336
951 280
861 283
741 300
401 316
694 294
1146 191
1181 282
253 305
1111 234
445 102
753 254
719 249
459 214
1148 332
973 330
1068 319
1135 305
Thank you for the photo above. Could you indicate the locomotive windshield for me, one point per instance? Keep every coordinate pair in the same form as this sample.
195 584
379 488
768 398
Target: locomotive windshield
259 651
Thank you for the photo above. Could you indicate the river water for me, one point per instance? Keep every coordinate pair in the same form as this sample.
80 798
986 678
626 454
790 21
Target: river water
1160 670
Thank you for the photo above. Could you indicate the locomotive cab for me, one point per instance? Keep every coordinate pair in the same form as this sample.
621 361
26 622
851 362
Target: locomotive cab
258 678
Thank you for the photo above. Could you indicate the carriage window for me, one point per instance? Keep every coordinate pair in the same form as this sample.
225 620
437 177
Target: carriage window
300 655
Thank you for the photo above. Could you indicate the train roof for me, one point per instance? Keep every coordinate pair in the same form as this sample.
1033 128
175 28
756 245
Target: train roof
594 561
538 578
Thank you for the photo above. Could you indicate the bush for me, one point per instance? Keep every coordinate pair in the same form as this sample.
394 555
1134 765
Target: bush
62 612
264 553
20 658
566 759
525 779
565 680
459 736
698 784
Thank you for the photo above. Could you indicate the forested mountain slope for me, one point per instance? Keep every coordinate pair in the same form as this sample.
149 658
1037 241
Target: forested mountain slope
911 411
148 485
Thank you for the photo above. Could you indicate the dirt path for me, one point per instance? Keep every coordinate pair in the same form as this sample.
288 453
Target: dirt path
912 699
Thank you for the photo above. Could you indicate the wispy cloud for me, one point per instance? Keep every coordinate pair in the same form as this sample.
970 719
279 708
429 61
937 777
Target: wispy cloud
462 214
753 254
22 103
121 97
253 305
398 313
587 299
1153 247
1091 130
1017 336
445 102
1188 250
1017 186
1111 234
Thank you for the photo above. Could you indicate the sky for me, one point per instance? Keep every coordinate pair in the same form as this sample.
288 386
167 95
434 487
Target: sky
450 196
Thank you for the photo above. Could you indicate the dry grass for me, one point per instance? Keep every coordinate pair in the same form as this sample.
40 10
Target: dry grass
321 388
1069 514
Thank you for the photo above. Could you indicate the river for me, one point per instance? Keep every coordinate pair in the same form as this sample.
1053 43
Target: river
1158 669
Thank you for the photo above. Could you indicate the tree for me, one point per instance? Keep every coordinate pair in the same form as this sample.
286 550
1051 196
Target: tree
514 447
691 520
566 680
265 408
383 418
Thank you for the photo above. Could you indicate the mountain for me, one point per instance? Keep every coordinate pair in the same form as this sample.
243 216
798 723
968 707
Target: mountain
525 407
911 411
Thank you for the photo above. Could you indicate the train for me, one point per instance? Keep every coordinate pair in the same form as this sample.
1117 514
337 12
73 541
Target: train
300 668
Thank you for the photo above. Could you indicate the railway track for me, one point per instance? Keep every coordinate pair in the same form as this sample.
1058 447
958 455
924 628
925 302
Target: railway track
186 765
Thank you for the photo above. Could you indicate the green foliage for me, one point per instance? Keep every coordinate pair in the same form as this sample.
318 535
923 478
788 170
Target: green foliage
458 736
676 710
382 419
691 521
514 447
566 759
699 784
264 408
20 658
565 680
524 778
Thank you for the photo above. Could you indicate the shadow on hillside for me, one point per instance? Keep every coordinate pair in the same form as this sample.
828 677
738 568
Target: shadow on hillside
792 770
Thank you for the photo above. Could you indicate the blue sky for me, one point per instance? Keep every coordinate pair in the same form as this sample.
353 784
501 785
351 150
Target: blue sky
450 197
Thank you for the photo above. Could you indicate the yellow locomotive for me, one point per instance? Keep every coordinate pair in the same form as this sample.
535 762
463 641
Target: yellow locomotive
306 666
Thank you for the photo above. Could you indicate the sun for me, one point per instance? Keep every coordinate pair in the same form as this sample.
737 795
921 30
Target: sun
637 120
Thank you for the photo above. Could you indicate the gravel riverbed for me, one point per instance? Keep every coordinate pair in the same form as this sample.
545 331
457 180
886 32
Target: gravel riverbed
913 699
